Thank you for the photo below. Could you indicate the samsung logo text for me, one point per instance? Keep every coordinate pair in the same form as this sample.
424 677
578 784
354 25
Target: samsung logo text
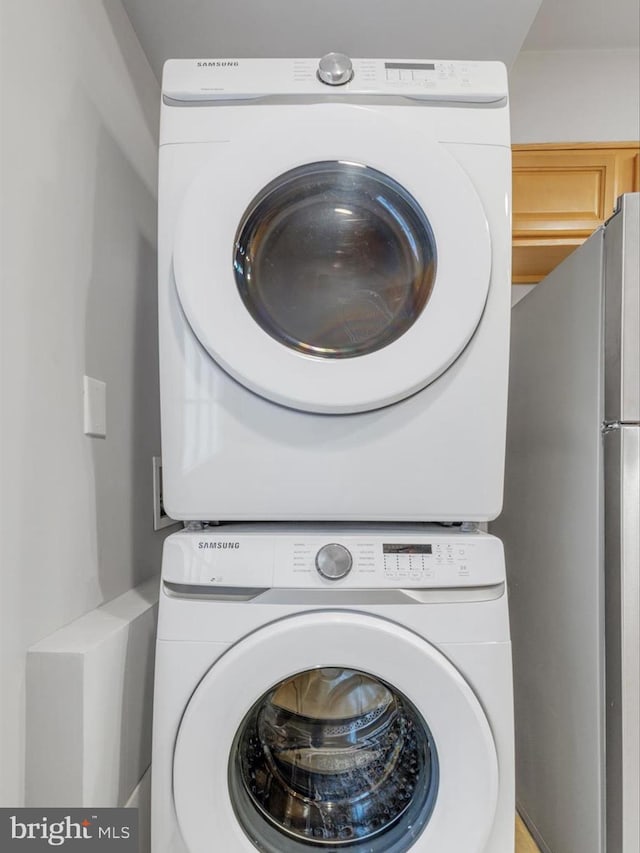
219 63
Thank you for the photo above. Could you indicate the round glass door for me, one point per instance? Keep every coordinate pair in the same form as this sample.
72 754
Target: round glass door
335 259
326 271
333 757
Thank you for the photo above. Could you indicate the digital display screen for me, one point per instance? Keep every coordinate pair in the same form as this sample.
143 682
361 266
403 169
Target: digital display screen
410 66
407 549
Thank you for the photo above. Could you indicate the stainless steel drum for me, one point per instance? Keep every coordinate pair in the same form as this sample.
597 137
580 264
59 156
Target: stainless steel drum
333 758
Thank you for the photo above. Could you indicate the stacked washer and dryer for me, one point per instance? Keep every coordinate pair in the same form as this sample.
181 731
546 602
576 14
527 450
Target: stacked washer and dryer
333 666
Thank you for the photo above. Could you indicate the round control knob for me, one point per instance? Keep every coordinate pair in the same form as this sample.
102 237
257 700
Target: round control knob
333 561
335 69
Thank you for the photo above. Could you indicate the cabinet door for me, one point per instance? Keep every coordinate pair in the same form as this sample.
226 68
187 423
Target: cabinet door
561 194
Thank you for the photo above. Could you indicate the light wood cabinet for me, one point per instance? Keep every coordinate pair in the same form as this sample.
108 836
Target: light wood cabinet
561 194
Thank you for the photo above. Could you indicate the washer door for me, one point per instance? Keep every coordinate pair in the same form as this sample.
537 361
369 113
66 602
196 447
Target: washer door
334 730
342 269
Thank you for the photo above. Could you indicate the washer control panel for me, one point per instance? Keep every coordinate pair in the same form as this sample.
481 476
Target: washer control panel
322 557
335 74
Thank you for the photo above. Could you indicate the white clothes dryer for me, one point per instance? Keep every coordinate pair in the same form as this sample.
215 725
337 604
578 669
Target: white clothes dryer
333 689
334 271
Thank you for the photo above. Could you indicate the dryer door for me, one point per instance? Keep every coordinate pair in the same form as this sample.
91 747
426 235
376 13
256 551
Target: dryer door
334 730
338 264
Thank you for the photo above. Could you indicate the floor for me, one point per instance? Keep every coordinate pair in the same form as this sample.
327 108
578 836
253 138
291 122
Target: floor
524 842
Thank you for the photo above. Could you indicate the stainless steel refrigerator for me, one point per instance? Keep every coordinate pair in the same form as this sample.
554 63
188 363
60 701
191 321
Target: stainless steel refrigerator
571 529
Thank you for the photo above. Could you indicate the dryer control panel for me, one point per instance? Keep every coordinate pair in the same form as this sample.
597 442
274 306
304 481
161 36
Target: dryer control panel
247 556
335 75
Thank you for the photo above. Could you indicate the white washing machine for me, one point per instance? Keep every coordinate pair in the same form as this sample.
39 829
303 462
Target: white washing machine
334 269
333 689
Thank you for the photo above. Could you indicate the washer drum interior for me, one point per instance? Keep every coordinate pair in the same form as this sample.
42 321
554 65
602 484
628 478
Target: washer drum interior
333 758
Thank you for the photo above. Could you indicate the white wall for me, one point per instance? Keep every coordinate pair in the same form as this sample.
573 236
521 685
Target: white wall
80 109
575 96
439 29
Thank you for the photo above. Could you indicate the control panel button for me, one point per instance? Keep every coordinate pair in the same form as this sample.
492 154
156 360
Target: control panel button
335 69
334 561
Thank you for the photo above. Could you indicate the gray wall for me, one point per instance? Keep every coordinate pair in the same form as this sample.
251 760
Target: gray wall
79 155
575 96
438 29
